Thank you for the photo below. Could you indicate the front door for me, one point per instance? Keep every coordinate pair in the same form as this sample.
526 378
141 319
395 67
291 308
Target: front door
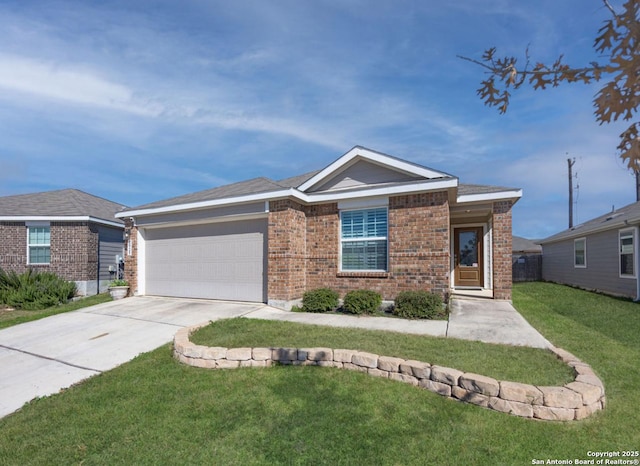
468 257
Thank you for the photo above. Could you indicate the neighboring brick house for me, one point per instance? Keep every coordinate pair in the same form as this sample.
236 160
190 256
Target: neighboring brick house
368 220
68 232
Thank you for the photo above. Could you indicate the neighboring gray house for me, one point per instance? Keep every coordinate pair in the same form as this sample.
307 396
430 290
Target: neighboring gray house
599 255
526 260
68 232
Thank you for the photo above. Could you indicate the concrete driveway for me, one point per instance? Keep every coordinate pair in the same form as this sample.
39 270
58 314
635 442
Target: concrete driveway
39 358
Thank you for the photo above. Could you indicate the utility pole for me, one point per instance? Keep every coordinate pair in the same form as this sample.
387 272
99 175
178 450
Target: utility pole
570 164
637 173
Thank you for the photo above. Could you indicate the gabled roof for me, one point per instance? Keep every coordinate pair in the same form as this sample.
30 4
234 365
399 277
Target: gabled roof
64 204
348 177
627 215
362 153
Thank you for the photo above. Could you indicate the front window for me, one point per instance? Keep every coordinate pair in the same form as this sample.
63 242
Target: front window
627 253
580 253
363 239
39 244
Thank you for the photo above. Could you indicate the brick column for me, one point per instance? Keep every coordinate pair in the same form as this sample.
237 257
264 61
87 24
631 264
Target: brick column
131 255
419 256
502 249
286 251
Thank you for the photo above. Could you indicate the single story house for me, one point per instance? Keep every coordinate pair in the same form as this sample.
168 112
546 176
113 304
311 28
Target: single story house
68 232
527 260
599 255
366 221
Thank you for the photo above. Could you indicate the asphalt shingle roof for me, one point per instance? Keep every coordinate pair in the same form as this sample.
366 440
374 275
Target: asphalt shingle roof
241 188
265 185
468 189
629 214
520 244
61 203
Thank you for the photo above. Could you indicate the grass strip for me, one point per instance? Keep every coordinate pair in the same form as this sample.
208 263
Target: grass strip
527 365
9 318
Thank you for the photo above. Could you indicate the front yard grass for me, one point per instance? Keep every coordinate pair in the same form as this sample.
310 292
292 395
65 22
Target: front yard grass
157 411
10 317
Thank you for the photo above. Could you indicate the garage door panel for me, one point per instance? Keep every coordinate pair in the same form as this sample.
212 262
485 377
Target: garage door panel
217 261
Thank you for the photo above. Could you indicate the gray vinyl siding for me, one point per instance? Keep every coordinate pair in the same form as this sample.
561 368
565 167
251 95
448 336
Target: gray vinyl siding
602 270
203 214
111 244
364 173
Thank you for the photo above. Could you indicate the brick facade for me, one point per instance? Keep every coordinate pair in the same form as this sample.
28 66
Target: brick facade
74 249
502 249
303 249
306 258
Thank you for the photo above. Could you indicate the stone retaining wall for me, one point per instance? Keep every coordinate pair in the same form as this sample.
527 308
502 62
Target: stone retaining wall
574 401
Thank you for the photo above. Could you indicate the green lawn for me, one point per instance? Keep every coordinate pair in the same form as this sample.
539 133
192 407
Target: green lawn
9 318
157 411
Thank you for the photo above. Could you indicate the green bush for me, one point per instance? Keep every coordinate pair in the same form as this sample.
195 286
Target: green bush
33 290
320 300
418 305
362 301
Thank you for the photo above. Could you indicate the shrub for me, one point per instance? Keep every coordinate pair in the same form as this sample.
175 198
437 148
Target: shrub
33 290
418 305
362 301
119 282
320 300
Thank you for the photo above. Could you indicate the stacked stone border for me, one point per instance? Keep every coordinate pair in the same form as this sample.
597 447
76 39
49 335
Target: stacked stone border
573 401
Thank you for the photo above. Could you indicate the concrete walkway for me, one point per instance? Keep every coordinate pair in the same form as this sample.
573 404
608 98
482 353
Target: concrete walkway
492 322
42 357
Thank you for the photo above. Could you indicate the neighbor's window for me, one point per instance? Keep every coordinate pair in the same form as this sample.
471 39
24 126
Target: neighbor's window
363 239
580 252
626 253
39 244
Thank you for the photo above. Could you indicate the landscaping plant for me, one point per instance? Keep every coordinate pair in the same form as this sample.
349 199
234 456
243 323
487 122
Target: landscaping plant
362 301
34 290
418 305
319 300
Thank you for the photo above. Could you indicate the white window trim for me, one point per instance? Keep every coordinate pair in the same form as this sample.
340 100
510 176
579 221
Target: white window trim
373 238
635 252
580 266
29 245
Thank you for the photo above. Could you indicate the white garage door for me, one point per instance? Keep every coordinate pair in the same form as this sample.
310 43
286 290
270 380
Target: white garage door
215 261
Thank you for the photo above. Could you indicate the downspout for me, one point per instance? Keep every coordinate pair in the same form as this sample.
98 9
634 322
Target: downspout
637 261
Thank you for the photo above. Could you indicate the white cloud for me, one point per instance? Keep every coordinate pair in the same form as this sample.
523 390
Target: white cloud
69 84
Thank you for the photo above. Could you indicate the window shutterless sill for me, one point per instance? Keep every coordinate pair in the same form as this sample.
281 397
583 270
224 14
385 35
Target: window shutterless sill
363 274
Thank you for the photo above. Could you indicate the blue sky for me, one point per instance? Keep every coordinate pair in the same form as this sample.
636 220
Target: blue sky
138 101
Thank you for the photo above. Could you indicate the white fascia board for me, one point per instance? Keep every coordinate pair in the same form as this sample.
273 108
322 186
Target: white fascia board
496 196
43 218
267 196
376 157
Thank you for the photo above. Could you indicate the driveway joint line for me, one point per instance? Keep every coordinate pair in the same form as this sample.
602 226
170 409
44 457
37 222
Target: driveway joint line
51 359
138 318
